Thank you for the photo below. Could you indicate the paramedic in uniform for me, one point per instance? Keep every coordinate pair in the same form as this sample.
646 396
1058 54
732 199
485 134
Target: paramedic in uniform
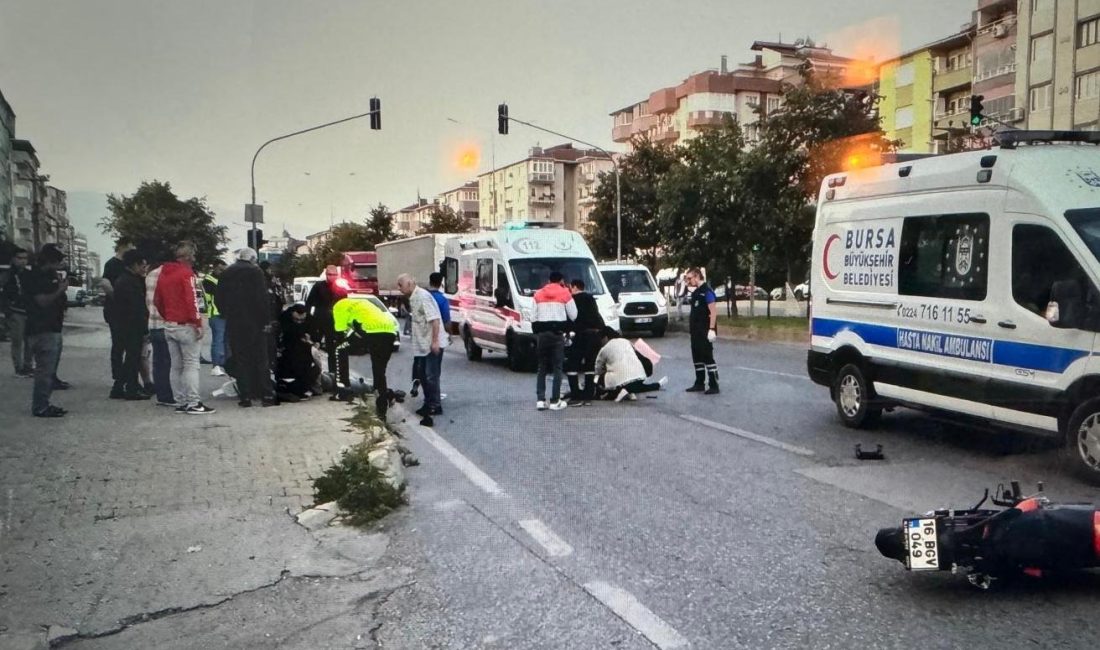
703 321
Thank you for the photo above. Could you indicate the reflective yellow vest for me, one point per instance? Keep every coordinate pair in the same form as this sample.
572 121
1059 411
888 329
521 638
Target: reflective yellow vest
371 319
211 308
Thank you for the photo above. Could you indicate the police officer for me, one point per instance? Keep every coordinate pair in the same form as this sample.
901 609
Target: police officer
361 328
703 324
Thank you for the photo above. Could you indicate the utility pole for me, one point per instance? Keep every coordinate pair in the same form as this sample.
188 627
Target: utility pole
503 120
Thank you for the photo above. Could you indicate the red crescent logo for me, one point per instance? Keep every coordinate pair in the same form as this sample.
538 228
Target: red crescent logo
825 257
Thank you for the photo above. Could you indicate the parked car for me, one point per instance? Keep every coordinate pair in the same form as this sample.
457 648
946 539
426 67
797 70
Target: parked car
802 291
745 291
75 296
779 293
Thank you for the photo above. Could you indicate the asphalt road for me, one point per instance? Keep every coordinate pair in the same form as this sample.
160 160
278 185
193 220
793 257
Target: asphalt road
751 524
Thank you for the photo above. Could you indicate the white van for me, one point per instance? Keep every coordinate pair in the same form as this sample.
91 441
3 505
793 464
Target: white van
491 278
642 308
966 283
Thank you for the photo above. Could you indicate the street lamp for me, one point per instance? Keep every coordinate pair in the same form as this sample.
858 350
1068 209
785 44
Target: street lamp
504 118
252 211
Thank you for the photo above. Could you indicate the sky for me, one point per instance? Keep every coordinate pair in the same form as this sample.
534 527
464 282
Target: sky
115 92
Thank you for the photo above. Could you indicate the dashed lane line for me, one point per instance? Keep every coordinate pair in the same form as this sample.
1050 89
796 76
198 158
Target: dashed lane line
546 538
772 372
636 615
464 465
749 435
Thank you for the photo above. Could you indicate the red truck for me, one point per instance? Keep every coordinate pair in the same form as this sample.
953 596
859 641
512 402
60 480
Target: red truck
360 270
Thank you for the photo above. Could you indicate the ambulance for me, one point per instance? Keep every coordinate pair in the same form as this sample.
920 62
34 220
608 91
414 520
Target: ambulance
966 284
490 279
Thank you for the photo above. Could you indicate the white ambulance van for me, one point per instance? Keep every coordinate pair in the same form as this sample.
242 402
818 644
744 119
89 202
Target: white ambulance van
490 279
966 283
642 307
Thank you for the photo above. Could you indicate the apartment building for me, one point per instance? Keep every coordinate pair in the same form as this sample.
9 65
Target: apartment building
54 226
464 201
678 113
7 134
589 172
28 191
995 49
1058 63
78 256
541 188
408 220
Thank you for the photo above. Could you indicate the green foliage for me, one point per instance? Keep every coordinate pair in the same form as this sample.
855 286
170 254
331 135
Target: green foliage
640 174
443 219
380 224
350 236
306 265
358 487
155 219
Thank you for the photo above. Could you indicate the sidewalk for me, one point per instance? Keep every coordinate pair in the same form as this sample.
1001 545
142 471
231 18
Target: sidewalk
124 512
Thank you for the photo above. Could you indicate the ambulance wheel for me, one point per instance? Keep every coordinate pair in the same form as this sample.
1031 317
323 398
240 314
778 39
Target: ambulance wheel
473 350
516 362
1082 448
854 398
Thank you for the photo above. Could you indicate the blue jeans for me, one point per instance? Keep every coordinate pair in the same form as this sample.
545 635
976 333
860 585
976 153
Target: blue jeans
162 366
433 366
46 348
217 341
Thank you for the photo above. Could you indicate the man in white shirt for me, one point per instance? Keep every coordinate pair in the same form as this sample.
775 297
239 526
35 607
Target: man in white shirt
428 339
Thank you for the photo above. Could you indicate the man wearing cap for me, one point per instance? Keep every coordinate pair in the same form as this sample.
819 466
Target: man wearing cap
45 289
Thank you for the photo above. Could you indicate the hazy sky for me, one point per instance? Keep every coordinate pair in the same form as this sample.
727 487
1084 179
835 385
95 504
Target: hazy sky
113 92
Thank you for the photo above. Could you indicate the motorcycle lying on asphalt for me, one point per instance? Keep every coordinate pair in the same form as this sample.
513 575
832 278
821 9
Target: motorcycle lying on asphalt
1027 536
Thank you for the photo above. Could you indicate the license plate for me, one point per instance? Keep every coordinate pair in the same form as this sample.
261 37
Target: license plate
922 543
643 320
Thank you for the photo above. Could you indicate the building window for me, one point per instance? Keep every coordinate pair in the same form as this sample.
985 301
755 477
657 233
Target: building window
903 118
752 100
1041 6
1042 47
959 60
958 104
905 75
1040 98
944 256
1087 86
1088 33
484 277
774 103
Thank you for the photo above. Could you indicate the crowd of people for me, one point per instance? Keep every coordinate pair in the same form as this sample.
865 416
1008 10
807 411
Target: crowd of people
158 311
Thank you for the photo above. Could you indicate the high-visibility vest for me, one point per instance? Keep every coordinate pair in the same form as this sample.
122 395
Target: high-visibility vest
371 319
211 308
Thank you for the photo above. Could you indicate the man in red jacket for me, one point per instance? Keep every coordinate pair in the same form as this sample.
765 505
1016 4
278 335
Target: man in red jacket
176 299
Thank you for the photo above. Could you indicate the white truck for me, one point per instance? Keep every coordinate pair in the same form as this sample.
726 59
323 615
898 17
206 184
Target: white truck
419 256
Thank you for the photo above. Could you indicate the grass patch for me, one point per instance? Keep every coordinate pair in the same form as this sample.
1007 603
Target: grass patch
793 329
354 483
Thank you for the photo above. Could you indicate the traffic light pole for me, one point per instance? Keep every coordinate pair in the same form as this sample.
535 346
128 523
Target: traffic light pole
618 188
373 111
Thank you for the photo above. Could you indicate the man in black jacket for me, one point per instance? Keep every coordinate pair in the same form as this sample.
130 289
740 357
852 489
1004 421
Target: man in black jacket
130 322
581 356
242 298
319 313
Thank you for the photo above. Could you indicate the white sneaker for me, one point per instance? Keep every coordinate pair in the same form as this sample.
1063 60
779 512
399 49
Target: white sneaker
662 382
622 395
217 371
558 405
632 398
540 405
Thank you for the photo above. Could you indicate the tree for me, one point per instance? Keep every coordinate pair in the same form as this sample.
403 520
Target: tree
444 219
704 209
640 174
380 222
155 219
349 236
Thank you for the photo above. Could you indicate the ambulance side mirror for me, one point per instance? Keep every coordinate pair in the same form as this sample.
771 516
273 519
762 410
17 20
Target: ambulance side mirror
1066 309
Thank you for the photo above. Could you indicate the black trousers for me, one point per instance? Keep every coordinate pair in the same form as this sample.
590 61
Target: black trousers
640 386
580 359
130 346
248 349
117 343
702 355
378 346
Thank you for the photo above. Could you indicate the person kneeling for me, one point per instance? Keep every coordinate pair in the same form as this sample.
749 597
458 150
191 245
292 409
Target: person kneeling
620 368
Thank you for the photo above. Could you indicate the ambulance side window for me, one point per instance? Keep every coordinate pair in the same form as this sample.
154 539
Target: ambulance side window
504 292
450 275
1040 259
485 277
944 256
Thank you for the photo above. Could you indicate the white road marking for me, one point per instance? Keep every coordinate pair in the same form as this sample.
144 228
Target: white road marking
636 615
749 435
541 533
772 372
464 465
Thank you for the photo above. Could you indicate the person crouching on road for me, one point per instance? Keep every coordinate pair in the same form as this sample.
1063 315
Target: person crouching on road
554 312
361 328
581 356
176 300
242 299
703 324
427 340
131 321
295 372
621 369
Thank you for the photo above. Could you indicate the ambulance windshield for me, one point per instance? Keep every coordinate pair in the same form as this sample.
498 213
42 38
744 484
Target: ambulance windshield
533 273
1086 222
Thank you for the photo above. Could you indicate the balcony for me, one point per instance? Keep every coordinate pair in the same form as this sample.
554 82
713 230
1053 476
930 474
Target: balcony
589 177
622 132
542 199
540 177
952 80
666 134
698 119
992 73
587 200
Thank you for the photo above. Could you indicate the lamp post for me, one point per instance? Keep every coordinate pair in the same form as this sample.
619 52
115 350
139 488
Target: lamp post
375 113
615 164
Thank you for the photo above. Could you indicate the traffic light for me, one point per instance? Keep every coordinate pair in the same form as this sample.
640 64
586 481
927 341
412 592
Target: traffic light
256 239
976 109
375 114
502 119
